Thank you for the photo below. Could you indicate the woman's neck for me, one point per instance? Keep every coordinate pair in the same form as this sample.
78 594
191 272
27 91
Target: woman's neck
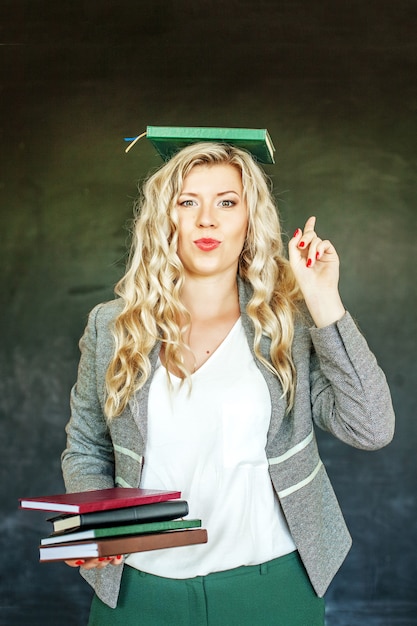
211 298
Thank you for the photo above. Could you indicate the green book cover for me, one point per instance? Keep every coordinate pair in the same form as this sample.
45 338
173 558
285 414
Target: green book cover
170 139
116 531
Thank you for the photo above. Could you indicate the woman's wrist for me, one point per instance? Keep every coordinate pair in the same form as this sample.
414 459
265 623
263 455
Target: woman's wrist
325 309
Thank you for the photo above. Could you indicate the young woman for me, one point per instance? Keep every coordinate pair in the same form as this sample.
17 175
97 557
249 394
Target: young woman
207 375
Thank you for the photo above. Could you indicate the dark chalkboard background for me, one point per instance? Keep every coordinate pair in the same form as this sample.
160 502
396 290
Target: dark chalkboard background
335 83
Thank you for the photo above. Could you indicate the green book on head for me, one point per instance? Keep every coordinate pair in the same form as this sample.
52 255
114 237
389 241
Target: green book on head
170 139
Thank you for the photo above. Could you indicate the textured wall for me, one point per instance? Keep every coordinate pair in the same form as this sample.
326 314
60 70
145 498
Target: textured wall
334 82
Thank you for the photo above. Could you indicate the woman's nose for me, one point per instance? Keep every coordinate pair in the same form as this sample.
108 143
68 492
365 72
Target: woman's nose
206 217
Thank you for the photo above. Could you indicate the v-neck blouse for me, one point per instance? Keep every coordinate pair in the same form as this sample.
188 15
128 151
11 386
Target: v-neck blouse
209 443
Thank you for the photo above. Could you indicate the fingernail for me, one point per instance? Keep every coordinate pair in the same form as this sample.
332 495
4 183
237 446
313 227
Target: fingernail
79 562
296 232
119 556
317 255
101 558
301 244
309 262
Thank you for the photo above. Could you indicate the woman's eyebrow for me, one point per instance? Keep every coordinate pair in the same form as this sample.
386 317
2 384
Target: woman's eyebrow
223 193
220 193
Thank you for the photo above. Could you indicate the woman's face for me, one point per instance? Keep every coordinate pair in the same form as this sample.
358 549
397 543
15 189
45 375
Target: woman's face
212 221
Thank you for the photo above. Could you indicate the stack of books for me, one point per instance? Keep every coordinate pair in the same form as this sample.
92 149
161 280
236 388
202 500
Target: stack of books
109 522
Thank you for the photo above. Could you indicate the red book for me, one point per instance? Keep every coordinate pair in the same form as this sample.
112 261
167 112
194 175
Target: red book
98 500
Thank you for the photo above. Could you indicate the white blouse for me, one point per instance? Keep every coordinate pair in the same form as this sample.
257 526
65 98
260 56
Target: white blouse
210 445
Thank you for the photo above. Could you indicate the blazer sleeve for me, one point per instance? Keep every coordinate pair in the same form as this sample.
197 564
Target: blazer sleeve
349 392
88 459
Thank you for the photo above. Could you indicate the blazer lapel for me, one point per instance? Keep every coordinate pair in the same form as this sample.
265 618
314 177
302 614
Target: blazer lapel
278 403
138 404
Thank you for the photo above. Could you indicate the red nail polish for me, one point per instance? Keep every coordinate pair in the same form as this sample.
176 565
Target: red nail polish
301 244
101 558
309 262
119 556
79 562
317 255
296 232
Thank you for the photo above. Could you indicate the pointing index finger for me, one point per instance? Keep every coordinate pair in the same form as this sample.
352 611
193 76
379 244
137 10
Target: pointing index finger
310 223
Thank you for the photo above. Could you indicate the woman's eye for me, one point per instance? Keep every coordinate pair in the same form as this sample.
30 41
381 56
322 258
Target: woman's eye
187 203
226 204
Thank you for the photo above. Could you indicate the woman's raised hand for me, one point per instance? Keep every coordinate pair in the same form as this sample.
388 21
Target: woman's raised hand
315 264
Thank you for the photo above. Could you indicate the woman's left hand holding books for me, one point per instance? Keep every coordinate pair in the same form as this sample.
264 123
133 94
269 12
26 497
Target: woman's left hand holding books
96 563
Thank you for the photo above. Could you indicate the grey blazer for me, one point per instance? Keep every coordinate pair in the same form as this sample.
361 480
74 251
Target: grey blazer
340 388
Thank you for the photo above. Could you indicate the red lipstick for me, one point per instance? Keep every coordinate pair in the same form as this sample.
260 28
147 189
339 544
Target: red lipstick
207 244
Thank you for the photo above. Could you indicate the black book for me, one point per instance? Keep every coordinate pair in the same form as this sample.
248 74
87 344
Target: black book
157 511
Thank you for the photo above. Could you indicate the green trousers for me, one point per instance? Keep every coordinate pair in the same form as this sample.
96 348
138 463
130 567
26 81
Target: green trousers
277 593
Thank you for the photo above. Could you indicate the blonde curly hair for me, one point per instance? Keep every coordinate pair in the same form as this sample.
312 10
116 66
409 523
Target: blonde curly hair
151 286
